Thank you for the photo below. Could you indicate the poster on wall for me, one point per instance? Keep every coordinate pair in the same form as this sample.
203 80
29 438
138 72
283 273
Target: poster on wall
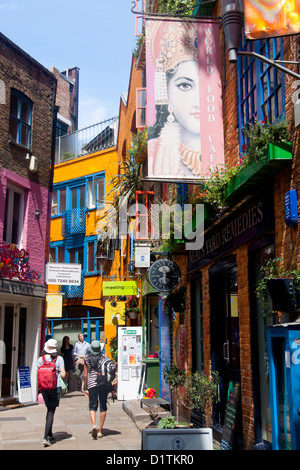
184 98
54 305
270 19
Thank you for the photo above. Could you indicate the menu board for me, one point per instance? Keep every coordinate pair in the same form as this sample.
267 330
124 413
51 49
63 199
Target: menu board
230 415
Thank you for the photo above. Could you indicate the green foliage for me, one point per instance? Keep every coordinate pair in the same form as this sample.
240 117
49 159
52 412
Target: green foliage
174 376
200 391
215 186
169 423
176 6
273 269
260 135
126 183
139 143
113 348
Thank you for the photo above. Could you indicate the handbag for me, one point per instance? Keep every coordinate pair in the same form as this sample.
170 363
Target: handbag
64 386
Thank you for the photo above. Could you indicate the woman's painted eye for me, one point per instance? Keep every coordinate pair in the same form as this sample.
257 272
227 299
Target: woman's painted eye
184 86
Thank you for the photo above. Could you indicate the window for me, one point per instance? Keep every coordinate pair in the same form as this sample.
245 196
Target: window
58 201
76 256
57 253
141 107
20 118
96 189
260 86
143 226
14 215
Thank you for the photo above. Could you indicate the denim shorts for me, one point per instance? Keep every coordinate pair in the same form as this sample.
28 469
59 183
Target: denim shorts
95 393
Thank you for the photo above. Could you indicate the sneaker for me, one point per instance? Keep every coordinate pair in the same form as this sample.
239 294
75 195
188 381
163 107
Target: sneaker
99 435
46 443
94 432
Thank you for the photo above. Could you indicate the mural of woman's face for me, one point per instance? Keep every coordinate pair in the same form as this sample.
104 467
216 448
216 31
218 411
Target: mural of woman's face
183 94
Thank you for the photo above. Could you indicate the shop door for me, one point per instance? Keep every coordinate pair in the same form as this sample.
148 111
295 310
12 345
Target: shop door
13 334
225 337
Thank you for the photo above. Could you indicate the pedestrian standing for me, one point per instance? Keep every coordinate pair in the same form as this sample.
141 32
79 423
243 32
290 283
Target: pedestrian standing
93 391
51 396
81 349
66 352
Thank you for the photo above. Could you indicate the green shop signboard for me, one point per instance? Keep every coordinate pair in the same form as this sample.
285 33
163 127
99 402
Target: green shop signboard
120 288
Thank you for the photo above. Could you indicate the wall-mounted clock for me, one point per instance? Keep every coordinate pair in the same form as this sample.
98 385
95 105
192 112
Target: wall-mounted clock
164 275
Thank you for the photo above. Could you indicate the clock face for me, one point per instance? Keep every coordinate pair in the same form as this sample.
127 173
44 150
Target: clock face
164 275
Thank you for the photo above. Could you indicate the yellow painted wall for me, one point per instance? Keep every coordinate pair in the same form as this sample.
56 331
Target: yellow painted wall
106 161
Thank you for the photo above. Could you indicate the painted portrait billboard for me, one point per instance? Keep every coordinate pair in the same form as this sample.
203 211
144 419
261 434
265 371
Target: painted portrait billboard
184 98
271 18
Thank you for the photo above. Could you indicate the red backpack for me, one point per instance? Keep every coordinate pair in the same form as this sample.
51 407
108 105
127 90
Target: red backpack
46 373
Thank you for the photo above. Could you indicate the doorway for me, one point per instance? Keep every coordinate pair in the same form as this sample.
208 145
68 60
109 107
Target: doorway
12 333
225 339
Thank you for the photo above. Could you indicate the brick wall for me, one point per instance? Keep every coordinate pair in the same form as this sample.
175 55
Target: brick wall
18 70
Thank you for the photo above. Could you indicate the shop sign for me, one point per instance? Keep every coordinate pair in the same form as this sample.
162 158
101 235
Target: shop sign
114 314
111 288
24 385
142 257
63 274
22 288
236 229
54 305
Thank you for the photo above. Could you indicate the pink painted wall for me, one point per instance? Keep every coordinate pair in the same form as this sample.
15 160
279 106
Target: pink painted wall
34 230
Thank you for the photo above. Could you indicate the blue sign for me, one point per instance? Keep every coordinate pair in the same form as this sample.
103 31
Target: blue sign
291 207
24 377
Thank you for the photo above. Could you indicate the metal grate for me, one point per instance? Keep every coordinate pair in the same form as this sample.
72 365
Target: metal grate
13 418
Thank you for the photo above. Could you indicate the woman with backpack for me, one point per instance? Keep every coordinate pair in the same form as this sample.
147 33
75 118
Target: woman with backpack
51 369
93 376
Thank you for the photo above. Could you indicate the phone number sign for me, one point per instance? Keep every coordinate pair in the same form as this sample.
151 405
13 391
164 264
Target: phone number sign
63 274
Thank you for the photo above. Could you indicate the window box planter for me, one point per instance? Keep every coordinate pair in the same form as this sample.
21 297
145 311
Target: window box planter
284 295
255 173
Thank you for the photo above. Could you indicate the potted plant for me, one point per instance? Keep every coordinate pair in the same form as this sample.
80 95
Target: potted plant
131 312
200 392
283 286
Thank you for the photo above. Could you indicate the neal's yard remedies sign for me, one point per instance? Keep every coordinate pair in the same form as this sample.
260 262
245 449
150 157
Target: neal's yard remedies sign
237 228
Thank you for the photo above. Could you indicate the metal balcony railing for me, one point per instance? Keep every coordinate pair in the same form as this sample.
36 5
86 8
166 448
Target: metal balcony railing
73 222
96 137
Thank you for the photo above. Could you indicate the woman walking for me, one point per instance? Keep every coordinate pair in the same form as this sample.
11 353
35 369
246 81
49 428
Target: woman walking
51 396
94 392
66 352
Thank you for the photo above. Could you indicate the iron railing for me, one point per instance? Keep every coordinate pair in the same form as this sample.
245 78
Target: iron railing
90 139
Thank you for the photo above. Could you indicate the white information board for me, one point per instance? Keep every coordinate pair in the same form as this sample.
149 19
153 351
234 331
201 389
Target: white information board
63 274
129 362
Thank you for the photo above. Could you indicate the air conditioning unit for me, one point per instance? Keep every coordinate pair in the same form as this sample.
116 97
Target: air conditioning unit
33 164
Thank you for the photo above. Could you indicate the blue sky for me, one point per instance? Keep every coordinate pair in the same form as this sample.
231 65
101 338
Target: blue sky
98 36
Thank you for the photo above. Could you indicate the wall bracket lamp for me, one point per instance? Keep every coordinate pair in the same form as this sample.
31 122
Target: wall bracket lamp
232 20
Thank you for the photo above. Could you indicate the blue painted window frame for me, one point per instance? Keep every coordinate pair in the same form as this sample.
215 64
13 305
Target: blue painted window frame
76 183
91 239
56 245
261 89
